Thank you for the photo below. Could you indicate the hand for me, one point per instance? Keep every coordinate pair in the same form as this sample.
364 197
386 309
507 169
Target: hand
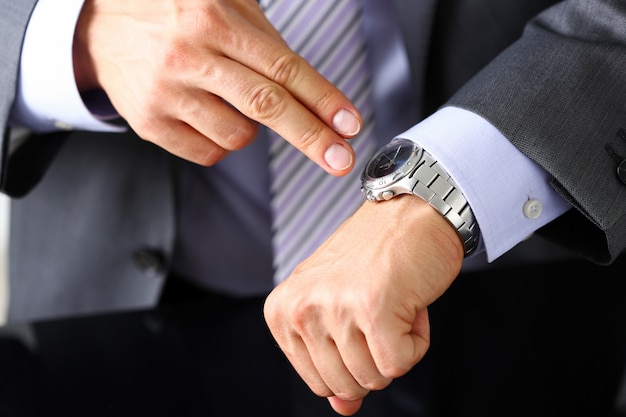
194 76
353 316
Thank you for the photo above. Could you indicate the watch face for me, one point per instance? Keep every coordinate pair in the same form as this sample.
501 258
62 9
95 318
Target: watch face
393 158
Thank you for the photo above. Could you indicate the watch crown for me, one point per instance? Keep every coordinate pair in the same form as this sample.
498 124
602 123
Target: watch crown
387 195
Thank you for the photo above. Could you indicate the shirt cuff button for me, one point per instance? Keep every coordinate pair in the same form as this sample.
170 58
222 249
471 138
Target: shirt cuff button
532 208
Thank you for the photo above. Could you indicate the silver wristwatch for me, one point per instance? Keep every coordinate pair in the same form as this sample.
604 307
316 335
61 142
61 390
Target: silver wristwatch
402 167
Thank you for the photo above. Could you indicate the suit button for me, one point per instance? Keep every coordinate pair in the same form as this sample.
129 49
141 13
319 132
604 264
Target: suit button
151 262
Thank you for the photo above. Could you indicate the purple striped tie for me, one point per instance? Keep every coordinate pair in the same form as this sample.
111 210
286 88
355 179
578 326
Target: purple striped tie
307 203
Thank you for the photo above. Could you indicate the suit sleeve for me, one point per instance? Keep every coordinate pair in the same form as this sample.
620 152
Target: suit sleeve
20 168
13 22
558 95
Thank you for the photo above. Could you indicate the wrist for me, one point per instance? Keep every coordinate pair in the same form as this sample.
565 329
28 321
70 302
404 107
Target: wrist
417 229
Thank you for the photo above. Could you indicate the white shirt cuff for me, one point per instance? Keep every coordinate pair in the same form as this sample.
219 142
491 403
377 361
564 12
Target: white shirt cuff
47 96
509 193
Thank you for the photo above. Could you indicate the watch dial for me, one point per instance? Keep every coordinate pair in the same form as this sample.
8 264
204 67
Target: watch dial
390 158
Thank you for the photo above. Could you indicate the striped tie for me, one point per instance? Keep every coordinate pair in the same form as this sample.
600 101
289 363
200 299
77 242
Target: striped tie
307 203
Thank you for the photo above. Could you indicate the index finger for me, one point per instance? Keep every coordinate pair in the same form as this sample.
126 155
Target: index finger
275 60
291 97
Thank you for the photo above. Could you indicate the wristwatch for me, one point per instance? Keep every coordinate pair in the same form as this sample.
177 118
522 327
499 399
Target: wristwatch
403 167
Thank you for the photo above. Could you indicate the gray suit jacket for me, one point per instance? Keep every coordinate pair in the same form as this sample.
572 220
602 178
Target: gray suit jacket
93 219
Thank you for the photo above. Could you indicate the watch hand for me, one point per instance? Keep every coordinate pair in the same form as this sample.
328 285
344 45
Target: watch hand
386 165
396 155
392 161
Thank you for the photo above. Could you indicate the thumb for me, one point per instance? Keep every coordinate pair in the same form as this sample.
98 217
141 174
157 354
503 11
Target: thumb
343 407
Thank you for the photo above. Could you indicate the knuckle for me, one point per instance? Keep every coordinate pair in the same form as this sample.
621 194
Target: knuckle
211 17
179 53
395 370
211 156
175 56
301 314
150 102
266 102
325 99
377 385
270 309
310 136
243 134
181 59
285 68
320 389
187 28
347 394
149 127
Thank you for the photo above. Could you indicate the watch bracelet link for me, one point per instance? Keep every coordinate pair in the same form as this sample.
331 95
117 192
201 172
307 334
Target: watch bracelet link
434 185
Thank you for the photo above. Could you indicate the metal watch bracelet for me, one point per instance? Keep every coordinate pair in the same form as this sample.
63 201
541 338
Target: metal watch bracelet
434 185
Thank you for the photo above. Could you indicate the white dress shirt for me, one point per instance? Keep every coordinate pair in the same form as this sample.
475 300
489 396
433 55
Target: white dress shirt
48 99
509 194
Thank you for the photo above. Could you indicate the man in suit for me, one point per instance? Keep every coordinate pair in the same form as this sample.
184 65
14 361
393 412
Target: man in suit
108 237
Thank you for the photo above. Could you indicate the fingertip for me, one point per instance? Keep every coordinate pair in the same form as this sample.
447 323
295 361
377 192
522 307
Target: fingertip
346 123
339 157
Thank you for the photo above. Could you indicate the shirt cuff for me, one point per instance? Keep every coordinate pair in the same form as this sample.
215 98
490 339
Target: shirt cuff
47 96
509 194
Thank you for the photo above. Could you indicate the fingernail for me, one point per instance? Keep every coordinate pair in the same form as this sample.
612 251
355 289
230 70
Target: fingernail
346 123
338 157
